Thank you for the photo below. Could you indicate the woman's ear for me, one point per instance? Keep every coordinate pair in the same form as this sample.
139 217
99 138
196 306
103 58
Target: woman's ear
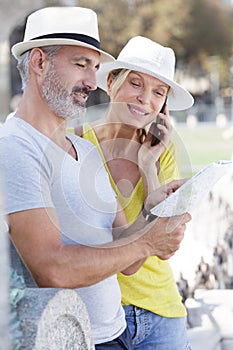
109 83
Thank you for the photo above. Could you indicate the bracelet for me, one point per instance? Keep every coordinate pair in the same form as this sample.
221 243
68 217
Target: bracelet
148 216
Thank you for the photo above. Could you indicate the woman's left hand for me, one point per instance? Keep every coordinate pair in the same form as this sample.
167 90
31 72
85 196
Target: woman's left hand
165 127
162 193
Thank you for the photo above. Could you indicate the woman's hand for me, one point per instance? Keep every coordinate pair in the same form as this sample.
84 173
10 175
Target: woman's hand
148 155
162 193
164 126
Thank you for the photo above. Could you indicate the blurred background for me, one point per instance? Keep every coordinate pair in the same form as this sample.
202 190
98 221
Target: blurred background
199 31
201 34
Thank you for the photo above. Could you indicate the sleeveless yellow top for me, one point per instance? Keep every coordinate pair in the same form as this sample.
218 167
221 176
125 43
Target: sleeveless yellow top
153 286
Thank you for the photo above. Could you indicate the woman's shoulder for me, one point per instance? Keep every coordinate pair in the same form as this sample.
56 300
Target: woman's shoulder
82 129
78 130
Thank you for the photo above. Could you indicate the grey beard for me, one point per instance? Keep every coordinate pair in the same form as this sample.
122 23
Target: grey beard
59 100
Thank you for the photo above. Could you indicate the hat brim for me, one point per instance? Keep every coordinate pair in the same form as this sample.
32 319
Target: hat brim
20 48
178 98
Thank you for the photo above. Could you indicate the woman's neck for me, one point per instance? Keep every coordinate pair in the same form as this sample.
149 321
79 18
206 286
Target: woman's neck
108 130
120 144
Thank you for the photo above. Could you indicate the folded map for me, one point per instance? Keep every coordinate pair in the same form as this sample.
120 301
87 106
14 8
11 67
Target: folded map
189 195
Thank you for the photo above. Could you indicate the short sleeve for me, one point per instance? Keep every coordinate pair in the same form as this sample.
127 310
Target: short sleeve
26 177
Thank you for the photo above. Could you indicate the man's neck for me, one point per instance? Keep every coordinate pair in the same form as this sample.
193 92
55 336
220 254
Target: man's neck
38 115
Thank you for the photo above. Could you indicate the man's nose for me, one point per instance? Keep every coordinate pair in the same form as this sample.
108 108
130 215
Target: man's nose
89 80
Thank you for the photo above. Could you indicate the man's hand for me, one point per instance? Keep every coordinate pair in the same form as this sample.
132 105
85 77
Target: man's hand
166 234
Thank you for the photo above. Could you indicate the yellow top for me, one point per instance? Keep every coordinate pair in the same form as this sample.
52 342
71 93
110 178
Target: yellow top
153 286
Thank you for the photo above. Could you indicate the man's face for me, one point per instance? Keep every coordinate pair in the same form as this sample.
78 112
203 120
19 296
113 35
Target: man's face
70 77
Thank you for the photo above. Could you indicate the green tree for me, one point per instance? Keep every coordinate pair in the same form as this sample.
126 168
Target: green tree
114 22
209 29
195 29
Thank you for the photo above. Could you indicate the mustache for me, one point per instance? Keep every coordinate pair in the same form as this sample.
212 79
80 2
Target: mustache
81 89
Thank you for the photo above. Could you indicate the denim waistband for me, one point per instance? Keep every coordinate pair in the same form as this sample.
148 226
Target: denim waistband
132 310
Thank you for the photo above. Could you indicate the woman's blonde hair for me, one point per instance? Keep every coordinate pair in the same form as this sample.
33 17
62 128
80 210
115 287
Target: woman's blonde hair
118 78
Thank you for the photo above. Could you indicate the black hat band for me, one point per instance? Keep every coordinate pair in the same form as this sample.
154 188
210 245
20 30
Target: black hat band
78 37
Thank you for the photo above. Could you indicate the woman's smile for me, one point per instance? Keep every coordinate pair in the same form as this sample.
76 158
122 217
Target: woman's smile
138 111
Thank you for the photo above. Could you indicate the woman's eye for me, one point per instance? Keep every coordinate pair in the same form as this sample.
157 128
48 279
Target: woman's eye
159 93
135 84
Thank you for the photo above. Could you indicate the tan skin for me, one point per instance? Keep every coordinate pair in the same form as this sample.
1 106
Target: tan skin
36 233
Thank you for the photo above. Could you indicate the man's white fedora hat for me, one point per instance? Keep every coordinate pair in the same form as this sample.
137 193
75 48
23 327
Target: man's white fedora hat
61 26
144 55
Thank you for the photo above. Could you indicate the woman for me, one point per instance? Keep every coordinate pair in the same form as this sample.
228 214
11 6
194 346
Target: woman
139 83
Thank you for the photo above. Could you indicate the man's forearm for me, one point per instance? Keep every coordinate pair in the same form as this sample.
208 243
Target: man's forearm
81 266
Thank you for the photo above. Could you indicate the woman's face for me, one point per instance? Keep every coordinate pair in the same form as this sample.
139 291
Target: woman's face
138 100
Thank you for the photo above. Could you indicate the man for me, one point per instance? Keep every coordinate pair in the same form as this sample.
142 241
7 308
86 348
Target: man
59 201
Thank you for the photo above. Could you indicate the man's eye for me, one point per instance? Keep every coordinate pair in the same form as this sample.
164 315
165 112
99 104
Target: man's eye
80 65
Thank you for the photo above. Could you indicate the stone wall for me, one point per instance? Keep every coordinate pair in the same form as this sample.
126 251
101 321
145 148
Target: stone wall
4 285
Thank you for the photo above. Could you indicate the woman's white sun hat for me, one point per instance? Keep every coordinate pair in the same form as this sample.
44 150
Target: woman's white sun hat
146 56
61 26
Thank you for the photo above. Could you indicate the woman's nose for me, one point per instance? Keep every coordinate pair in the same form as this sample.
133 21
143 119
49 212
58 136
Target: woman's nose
144 97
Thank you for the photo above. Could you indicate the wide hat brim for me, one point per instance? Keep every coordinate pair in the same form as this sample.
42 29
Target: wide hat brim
20 48
178 97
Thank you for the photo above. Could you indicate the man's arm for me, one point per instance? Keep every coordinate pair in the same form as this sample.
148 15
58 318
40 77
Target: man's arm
36 236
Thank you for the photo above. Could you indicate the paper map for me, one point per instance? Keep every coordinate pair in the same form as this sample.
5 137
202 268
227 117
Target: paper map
189 195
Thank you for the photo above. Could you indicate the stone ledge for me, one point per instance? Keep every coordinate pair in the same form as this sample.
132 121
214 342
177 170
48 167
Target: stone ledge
53 319
211 315
206 336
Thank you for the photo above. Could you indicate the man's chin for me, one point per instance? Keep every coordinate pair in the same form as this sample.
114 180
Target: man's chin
78 114
79 104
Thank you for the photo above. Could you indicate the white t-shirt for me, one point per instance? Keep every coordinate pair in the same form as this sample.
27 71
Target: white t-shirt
39 174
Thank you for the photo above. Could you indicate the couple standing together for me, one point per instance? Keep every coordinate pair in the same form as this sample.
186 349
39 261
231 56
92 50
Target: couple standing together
73 227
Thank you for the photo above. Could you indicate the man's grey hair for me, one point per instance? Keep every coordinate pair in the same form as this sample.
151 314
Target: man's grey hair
23 61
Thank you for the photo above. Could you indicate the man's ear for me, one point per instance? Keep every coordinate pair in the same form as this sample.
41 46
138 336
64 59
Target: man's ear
37 60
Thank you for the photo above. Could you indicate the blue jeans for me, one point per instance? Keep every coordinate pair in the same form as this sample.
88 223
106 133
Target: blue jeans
123 342
153 332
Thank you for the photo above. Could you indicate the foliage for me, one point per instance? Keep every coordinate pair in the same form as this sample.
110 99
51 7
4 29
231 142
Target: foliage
209 29
195 29
17 289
